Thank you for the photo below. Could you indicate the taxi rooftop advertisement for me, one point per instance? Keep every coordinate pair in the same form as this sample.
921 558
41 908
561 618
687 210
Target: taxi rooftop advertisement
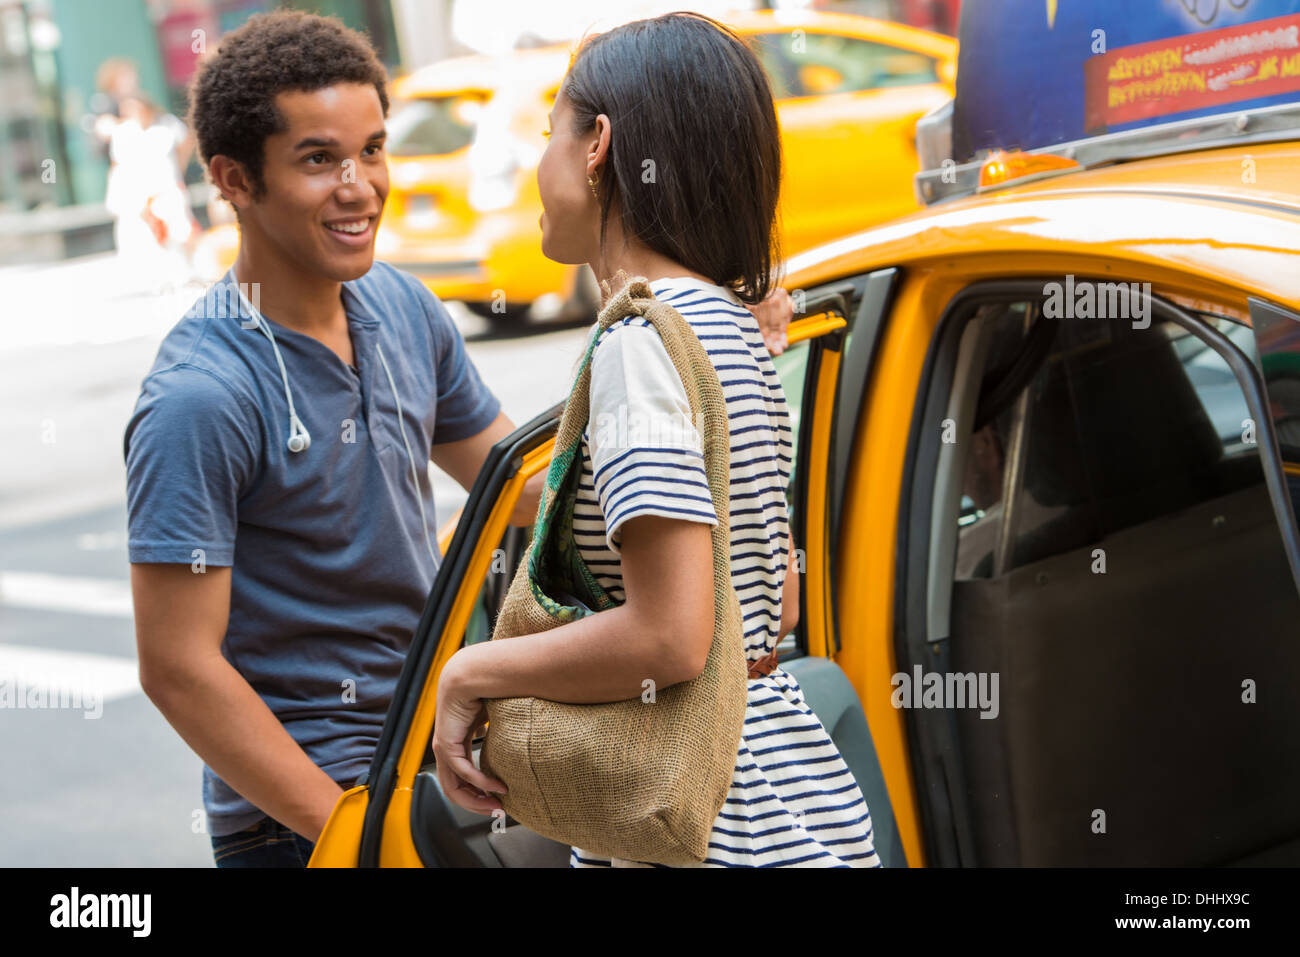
487 436
1038 74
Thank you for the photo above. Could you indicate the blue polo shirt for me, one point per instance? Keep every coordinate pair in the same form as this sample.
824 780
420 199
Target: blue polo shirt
330 567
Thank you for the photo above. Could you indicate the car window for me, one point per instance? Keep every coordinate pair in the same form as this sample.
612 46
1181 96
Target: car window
491 596
1114 427
1277 335
780 71
792 368
820 64
436 125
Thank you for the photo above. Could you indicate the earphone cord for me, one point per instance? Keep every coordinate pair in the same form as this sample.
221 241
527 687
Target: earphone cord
296 428
401 424
295 424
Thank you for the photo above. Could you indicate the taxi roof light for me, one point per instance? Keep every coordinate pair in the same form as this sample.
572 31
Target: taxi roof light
940 180
1003 168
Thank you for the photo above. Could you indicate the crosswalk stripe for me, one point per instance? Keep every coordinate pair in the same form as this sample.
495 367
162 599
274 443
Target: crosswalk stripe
32 678
86 596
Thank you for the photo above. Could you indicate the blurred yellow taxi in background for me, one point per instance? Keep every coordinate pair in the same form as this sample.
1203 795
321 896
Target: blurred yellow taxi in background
466 137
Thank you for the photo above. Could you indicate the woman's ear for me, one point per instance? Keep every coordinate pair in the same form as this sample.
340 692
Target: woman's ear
598 146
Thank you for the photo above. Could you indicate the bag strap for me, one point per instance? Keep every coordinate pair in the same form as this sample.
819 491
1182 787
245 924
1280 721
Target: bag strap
708 406
699 379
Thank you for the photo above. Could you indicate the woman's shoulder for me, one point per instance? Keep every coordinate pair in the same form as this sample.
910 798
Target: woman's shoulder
725 328
695 297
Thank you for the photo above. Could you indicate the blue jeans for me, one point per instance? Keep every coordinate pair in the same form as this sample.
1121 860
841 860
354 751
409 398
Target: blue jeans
267 843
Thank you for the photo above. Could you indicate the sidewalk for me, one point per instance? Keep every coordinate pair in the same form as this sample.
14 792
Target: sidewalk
91 301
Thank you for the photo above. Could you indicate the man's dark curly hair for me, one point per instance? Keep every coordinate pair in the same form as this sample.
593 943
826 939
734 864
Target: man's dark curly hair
232 97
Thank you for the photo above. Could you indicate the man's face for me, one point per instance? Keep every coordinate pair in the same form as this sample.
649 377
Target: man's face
326 180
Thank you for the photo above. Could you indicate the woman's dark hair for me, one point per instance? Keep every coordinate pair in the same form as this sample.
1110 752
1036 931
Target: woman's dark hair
232 97
695 151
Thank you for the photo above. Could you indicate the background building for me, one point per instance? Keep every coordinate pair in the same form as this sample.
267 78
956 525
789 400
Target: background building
53 168
51 51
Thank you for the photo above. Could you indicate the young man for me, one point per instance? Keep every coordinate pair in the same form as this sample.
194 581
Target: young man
281 517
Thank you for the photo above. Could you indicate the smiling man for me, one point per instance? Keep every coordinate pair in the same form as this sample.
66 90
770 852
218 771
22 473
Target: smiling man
280 509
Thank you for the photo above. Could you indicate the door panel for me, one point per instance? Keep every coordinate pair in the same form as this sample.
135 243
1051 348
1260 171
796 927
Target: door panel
404 743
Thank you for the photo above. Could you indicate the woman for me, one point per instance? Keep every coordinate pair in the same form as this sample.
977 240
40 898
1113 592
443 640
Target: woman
664 162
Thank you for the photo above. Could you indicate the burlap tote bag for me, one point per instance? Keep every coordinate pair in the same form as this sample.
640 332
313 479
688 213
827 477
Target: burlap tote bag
635 779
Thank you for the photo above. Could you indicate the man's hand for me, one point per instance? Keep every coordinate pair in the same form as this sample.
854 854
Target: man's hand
774 315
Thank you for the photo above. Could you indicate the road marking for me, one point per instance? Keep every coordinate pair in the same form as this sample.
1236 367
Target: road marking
84 596
46 678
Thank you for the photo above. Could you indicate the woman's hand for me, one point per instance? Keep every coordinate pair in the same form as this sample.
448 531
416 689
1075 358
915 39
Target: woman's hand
774 314
459 717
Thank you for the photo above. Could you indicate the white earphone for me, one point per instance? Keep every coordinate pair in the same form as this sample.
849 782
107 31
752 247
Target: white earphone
300 438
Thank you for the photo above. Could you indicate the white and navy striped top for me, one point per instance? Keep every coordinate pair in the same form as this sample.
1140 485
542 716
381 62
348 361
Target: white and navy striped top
793 801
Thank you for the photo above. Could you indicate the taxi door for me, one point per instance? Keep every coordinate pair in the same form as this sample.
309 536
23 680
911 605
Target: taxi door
1072 602
399 816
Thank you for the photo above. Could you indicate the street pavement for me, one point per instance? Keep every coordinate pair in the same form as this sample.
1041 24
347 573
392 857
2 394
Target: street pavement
91 774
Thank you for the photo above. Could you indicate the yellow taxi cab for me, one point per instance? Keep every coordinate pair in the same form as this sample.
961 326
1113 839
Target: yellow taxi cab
466 136
1046 479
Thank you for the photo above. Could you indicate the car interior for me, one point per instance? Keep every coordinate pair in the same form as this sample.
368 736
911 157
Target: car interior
1103 540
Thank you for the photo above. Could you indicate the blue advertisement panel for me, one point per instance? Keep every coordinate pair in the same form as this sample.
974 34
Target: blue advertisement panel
1033 73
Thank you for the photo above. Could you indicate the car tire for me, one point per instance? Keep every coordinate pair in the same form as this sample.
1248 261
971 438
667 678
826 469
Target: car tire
584 303
511 316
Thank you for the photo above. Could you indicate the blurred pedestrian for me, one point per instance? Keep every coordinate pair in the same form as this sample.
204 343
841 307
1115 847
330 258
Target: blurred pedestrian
154 227
115 80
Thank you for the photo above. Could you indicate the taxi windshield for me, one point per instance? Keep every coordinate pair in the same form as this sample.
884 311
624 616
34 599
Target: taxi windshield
436 125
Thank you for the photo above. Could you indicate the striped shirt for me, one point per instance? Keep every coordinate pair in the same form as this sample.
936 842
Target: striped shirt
792 801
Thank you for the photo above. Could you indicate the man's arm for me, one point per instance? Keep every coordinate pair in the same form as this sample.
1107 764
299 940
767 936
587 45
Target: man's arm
180 620
464 459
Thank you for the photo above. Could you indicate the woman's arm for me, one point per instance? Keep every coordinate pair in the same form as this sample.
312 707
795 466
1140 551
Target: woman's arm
662 632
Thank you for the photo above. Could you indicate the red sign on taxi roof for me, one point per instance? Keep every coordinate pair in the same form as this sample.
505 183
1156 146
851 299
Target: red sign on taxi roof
1190 72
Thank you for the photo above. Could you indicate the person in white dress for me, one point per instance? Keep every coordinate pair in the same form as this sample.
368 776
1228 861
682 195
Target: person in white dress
664 163
153 224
